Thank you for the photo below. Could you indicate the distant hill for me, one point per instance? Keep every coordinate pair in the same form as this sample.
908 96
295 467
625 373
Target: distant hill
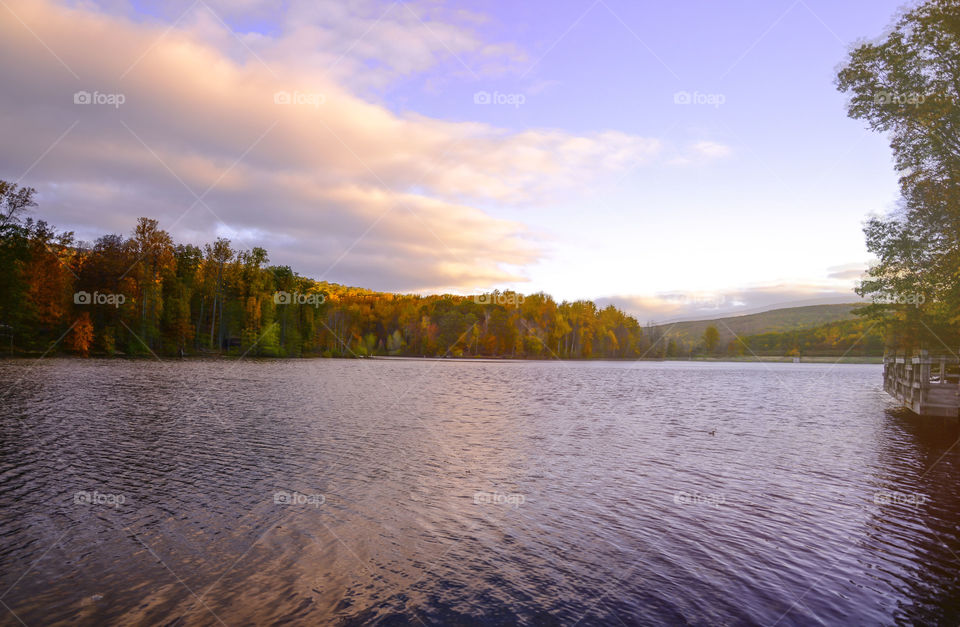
774 321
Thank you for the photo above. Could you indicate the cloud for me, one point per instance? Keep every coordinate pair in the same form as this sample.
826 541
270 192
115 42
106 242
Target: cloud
847 271
673 306
361 44
331 183
542 86
711 150
701 152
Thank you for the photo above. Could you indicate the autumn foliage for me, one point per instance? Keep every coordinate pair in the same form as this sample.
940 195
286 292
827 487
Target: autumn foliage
145 294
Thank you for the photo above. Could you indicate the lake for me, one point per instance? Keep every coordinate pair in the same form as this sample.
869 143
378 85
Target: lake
450 492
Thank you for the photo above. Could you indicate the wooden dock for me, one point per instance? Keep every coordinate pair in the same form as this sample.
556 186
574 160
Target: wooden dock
928 386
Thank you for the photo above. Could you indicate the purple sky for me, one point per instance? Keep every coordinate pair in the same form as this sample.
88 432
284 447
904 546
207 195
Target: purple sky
678 159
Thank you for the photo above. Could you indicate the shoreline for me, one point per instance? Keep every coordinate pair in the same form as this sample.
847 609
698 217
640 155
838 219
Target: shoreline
811 359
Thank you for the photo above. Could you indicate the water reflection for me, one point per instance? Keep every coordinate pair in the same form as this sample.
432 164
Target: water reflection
927 464
647 493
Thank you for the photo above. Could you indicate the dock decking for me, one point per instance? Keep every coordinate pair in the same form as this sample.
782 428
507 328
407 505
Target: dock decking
928 386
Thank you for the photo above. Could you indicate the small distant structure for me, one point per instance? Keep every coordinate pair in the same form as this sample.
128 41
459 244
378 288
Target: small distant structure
796 360
927 386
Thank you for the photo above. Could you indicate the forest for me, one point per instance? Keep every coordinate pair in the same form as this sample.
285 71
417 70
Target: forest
145 294
853 338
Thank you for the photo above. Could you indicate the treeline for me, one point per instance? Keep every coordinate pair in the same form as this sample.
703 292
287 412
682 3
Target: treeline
145 294
907 85
855 338
846 337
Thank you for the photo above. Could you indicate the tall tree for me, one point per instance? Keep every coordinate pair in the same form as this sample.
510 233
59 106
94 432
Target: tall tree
711 337
154 253
908 86
14 202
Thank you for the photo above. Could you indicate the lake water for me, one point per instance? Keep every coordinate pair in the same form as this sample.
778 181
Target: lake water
446 492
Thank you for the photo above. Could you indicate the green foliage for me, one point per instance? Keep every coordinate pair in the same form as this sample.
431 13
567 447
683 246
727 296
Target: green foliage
688 336
908 86
856 337
847 335
14 250
711 337
181 299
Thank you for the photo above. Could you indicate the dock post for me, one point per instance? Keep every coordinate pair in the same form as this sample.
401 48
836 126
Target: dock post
924 378
908 372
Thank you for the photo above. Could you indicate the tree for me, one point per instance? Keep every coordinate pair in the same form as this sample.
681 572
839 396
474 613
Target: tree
154 253
143 293
102 269
908 85
217 256
14 201
81 336
711 337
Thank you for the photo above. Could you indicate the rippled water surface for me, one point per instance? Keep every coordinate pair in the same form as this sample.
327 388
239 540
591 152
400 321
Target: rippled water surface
444 492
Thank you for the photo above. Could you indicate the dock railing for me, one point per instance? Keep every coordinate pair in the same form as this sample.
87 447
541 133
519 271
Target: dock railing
926 384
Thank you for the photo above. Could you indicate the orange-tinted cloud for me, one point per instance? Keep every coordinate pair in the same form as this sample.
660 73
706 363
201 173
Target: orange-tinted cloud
276 146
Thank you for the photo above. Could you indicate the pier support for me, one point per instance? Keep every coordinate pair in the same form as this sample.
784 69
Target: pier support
910 380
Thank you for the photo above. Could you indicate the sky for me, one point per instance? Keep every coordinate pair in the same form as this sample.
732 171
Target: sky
676 159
